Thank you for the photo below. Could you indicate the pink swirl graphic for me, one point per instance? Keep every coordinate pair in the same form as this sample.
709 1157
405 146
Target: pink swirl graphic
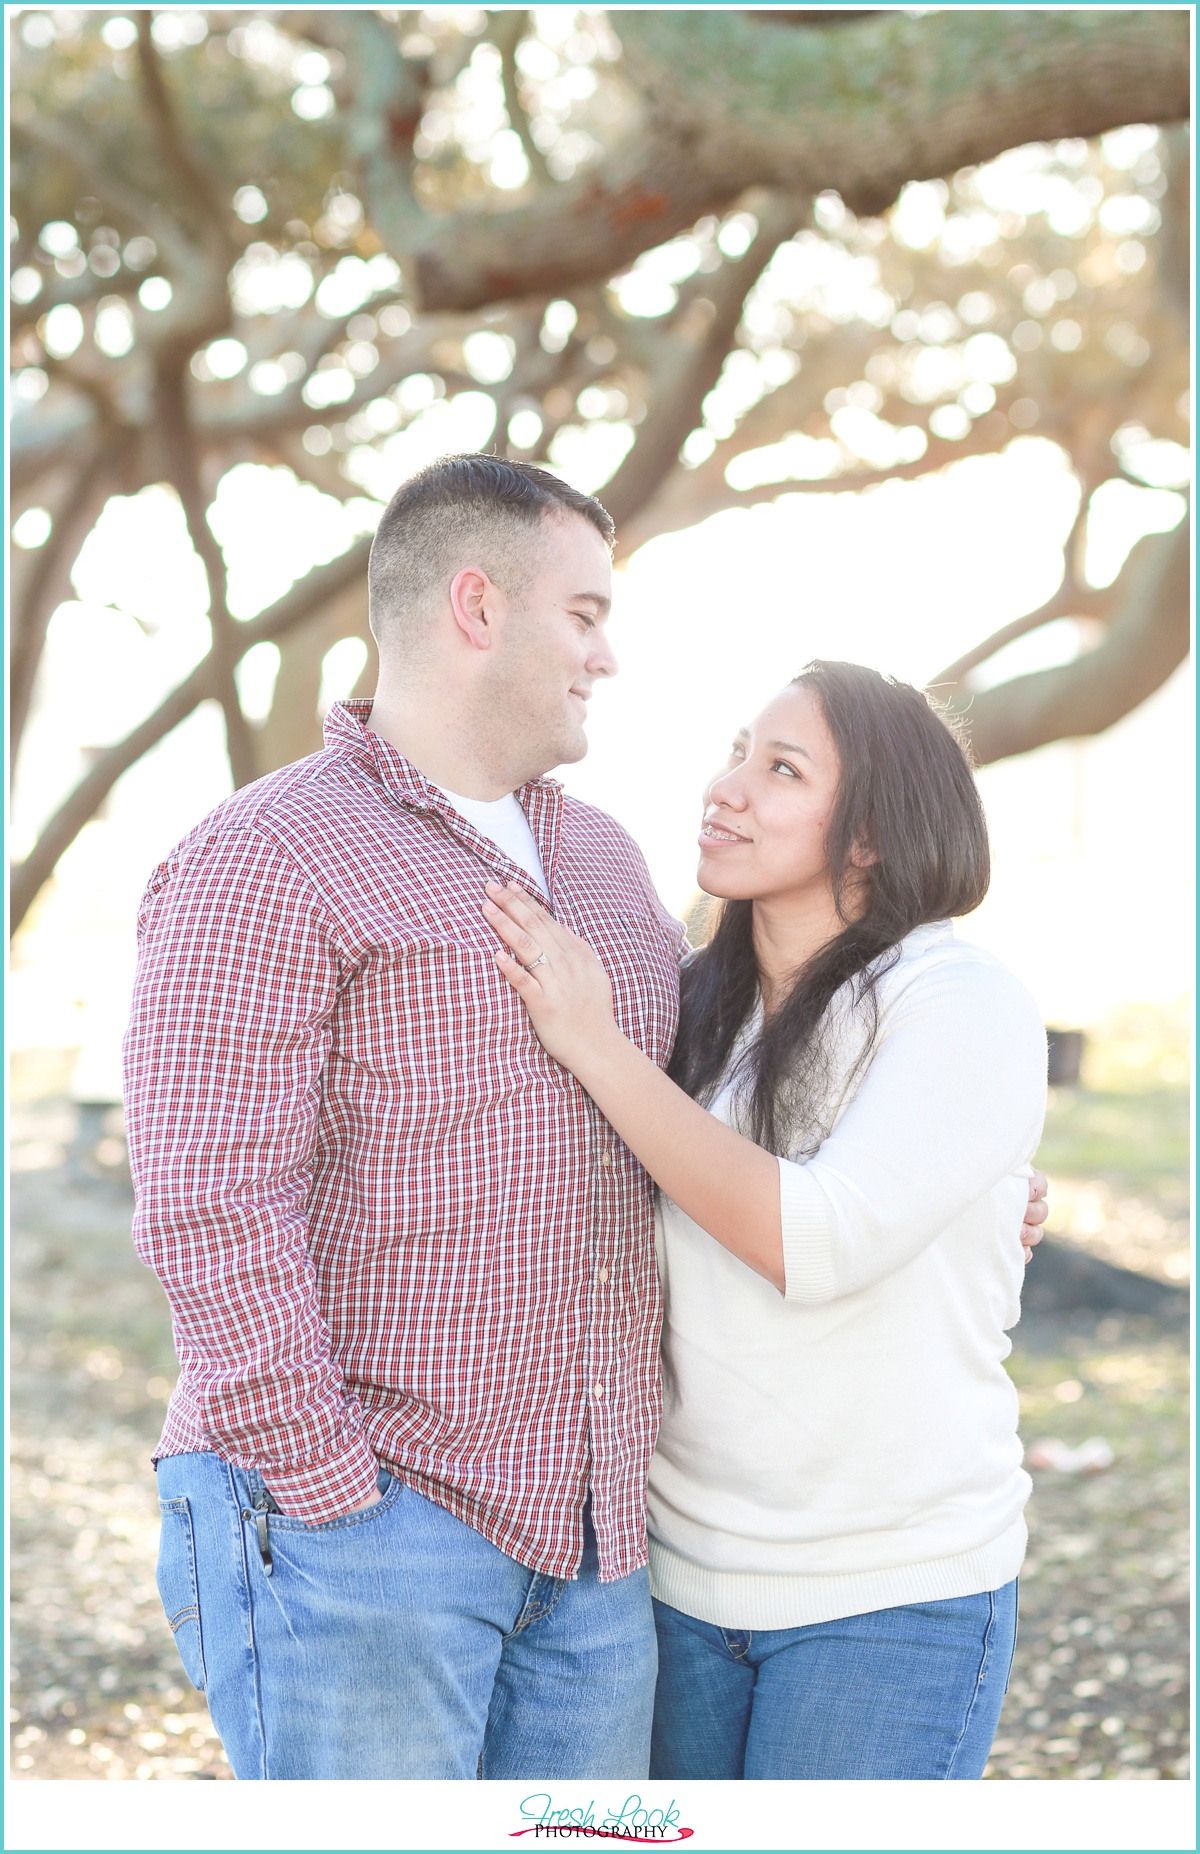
607 1834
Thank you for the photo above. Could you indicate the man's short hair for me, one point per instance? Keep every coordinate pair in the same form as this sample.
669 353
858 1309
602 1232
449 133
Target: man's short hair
463 511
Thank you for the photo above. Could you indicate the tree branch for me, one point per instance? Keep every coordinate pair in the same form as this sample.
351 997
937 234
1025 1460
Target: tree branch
729 103
88 161
200 307
198 188
179 445
49 583
60 832
1070 601
507 30
41 439
812 16
895 98
40 443
93 388
669 513
680 394
289 411
1175 262
389 93
1147 639
77 290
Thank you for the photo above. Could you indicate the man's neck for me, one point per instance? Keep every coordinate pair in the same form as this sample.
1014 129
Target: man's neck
439 746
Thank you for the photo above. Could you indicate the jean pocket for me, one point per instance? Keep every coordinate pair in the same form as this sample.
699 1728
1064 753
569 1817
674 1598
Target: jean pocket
390 1490
177 1586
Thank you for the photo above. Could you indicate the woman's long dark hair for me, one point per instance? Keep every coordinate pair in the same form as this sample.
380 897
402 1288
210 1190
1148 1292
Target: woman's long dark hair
906 792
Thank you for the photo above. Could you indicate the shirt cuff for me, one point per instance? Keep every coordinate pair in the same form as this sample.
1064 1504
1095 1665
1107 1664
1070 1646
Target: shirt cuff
325 1490
807 1219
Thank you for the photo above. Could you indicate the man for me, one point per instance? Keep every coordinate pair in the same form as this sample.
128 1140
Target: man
410 1266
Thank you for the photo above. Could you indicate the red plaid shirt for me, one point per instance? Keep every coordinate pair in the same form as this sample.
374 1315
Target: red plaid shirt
390 1227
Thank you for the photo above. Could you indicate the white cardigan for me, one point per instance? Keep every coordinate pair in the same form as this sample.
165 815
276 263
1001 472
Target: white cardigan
852 1445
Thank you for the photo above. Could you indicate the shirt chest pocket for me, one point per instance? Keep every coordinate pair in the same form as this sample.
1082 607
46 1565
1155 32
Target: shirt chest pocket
437 1014
638 954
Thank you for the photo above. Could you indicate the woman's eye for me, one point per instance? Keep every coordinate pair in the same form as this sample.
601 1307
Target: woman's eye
783 766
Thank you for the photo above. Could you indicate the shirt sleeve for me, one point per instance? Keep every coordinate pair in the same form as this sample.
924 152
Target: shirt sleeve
952 1102
237 980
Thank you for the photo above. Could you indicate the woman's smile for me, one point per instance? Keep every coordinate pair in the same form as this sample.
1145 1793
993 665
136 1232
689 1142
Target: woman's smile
712 832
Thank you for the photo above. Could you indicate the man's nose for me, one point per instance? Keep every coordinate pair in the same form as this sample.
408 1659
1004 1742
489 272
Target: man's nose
601 658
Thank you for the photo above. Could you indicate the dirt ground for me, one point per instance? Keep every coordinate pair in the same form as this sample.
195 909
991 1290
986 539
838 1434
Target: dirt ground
1099 1683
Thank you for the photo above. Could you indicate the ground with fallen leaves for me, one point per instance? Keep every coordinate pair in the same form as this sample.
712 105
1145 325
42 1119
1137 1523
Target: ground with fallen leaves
1099 1683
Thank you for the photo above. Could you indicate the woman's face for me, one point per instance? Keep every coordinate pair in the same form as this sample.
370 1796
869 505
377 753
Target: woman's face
767 812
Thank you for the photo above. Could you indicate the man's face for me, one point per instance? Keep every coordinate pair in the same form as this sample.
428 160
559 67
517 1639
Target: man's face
552 647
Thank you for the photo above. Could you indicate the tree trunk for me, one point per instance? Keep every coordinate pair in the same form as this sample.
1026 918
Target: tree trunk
308 595
46 582
292 729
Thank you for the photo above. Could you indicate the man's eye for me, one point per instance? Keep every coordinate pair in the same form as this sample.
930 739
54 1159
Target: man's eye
585 620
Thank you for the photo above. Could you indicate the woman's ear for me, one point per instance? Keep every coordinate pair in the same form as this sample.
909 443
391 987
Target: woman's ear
862 855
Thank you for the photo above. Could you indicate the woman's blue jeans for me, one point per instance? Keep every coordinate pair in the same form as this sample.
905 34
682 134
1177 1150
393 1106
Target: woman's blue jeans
397 1642
913 1692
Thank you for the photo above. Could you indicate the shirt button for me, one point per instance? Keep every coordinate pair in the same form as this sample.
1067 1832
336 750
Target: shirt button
606 1157
603 1276
597 1390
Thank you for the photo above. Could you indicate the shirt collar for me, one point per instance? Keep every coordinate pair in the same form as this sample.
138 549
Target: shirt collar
347 731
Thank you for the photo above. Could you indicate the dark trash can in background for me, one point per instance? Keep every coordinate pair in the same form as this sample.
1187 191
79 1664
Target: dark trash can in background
1065 1052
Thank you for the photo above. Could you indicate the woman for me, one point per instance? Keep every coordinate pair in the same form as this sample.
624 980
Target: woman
843 1149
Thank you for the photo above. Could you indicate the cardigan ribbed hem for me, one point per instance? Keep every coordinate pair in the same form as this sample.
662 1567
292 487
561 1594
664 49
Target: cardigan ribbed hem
807 1220
775 1600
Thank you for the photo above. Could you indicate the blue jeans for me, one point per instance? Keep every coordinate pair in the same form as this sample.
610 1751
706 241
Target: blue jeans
397 1642
913 1692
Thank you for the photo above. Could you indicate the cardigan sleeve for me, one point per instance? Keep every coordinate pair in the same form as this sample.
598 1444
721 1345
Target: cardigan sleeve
951 1103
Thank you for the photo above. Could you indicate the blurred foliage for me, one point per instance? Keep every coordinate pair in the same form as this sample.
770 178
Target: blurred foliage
1133 1138
1117 1150
1140 1046
234 111
1052 249
246 236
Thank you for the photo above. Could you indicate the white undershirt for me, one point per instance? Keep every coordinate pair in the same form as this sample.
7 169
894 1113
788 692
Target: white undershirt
503 822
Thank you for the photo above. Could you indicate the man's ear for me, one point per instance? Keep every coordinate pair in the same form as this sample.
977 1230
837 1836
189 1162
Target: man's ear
476 603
